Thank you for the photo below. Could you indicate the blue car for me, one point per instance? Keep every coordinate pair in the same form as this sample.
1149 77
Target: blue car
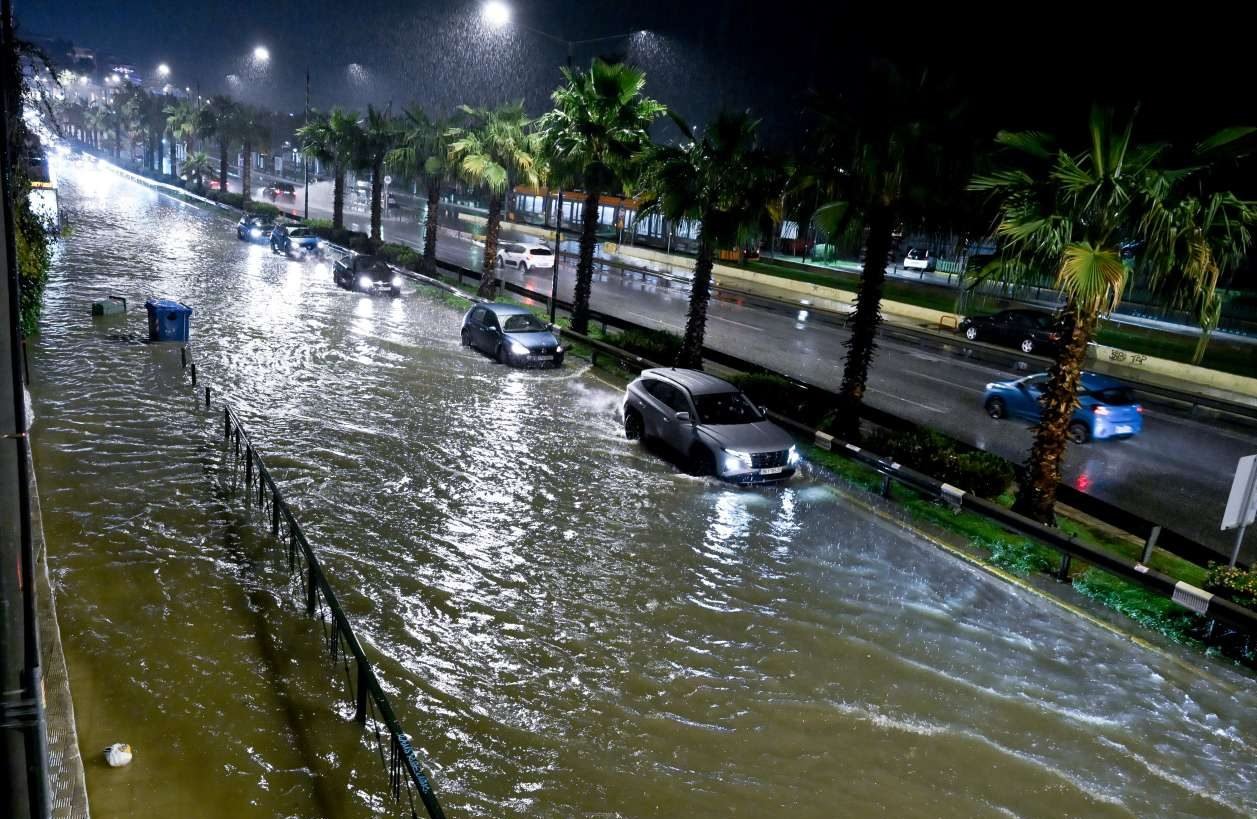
1106 407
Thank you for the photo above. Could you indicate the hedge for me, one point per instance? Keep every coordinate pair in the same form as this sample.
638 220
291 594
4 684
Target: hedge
982 473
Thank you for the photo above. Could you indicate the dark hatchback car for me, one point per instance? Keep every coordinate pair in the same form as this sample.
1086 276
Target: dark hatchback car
253 228
295 240
512 335
1031 331
281 190
366 274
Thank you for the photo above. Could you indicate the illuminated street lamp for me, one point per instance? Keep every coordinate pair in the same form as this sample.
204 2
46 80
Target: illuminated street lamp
261 54
163 71
496 13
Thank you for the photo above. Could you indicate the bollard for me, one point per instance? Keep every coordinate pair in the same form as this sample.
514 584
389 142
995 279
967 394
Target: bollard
194 373
1062 572
207 398
183 357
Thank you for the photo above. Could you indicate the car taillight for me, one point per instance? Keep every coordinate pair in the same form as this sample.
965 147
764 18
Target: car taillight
1054 336
1100 410
1139 409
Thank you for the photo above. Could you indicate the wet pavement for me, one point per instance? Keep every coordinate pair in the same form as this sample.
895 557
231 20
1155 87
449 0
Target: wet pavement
567 625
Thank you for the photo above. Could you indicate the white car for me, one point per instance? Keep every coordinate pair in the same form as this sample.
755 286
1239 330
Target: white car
918 259
525 257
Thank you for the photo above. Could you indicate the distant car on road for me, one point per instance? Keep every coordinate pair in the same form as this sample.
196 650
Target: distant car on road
1106 407
512 335
280 190
366 274
710 423
295 240
254 228
918 258
390 202
1031 331
525 257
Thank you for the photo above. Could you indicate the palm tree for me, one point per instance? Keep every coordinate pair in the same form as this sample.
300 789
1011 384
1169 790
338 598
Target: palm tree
181 118
216 120
422 152
899 159
494 150
251 128
727 183
1075 213
379 135
97 121
197 166
597 131
333 138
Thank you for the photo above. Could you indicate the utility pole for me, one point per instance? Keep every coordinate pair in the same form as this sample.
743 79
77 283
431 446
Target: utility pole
305 160
558 224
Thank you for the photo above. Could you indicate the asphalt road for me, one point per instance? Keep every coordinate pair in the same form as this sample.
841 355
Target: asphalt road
1178 472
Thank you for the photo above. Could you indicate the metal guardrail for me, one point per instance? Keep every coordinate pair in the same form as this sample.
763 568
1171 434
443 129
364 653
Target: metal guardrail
371 705
1195 599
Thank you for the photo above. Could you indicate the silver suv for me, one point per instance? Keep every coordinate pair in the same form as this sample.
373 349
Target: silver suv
710 423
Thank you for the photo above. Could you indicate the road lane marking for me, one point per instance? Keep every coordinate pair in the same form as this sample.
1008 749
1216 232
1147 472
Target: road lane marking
653 319
740 324
905 400
942 381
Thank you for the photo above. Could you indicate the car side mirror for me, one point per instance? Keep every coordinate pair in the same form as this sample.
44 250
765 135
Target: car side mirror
763 410
683 417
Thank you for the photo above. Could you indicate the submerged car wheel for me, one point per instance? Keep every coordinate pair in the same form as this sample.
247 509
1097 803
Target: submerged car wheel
996 408
702 462
1027 346
503 356
634 430
971 333
1078 432
466 337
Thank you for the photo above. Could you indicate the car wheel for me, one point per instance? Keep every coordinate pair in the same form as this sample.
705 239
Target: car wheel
1078 432
523 268
466 337
702 461
971 333
503 356
1027 346
501 261
996 408
634 429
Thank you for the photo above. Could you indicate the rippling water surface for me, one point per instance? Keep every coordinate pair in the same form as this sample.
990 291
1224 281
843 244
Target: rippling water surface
568 626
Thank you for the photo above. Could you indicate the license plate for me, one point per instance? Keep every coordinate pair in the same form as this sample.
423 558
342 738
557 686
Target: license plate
540 358
772 470
1123 429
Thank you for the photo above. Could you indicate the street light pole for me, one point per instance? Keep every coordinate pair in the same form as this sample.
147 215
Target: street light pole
558 224
305 160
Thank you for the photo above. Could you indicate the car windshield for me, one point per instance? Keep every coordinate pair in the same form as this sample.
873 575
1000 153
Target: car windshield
300 233
1121 396
916 254
725 408
539 251
1041 320
368 264
523 323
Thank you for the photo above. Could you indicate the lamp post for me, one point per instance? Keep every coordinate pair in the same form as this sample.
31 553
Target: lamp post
497 14
305 160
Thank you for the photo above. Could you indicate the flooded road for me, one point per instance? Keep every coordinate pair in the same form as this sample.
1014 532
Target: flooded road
567 625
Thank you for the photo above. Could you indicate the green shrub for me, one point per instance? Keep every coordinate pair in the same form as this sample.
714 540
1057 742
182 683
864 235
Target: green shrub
782 395
981 473
400 255
1152 610
1239 585
263 209
352 239
659 346
1020 556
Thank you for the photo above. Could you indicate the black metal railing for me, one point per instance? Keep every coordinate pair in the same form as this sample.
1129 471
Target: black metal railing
371 705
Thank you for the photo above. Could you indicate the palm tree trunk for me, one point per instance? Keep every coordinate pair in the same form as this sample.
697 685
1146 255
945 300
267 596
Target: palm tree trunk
864 323
117 142
338 197
429 233
691 354
489 274
585 265
246 170
174 171
1037 496
222 166
377 190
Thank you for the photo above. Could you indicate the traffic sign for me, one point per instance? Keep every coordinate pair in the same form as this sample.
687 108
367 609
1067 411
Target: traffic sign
388 180
1241 506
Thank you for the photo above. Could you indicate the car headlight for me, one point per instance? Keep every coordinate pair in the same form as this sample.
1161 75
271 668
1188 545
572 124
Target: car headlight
397 281
518 349
255 233
559 349
364 282
793 457
735 460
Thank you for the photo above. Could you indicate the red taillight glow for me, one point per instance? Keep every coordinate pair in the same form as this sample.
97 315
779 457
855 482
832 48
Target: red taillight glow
1139 409
1100 410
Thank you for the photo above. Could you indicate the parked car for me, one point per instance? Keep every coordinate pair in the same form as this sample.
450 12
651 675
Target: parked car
390 202
512 335
710 423
1106 407
295 240
1031 331
918 258
280 190
254 228
525 257
366 274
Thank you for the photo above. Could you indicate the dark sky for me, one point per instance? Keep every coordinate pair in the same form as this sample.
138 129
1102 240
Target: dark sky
1024 65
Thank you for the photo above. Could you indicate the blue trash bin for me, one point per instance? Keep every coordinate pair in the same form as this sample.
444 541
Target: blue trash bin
168 320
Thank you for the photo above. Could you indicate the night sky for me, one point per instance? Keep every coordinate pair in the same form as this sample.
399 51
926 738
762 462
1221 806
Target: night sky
1023 65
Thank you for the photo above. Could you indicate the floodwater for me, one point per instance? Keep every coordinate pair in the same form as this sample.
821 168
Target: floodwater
566 625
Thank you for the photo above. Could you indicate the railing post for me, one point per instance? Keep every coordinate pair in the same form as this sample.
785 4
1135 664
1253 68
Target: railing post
226 423
194 373
248 465
207 396
1150 544
183 357
311 591
886 483
360 712
274 511
1062 571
